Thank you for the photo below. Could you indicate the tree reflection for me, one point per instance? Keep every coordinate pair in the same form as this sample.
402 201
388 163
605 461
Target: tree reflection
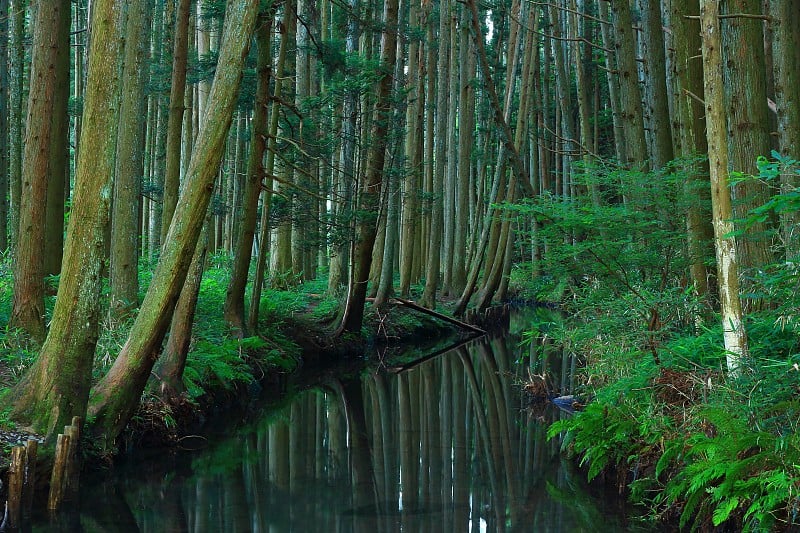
444 445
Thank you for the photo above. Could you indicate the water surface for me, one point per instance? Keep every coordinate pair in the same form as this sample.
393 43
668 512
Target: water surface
444 445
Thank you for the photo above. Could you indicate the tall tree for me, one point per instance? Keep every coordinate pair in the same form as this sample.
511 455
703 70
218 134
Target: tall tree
28 304
633 141
748 133
116 396
786 36
58 173
4 94
234 298
56 387
123 272
16 126
180 55
655 85
440 161
735 335
685 77
366 224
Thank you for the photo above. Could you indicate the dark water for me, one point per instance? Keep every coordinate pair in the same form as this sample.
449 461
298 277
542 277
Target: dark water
445 445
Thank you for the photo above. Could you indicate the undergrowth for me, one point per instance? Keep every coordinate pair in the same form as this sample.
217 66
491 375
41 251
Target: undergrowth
699 447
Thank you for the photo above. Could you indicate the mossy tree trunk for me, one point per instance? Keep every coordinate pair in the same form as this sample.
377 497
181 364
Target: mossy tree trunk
116 396
56 388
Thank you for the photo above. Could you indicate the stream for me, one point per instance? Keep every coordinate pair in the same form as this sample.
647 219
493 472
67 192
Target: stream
444 445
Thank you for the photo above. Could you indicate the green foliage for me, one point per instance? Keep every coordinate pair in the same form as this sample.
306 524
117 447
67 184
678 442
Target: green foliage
735 467
697 445
220 365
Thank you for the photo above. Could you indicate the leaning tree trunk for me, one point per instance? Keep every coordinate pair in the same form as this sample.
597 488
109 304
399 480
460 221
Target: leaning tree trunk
366 225
116 396
173 361
735 335
56 388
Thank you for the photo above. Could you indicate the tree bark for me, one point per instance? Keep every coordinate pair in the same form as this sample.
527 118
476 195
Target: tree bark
748 135
657 104
16 125
4 135
630 94
58 174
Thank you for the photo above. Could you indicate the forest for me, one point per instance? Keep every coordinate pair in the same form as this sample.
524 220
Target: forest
174 173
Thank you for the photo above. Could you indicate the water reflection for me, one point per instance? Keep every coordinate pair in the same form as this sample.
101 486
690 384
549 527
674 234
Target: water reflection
444 446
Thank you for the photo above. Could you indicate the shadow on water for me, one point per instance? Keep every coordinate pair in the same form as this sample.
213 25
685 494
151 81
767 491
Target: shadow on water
443 445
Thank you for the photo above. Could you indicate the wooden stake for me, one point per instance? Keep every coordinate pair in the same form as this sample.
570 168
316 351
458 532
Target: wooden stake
32 450
16 479
59 469
72 471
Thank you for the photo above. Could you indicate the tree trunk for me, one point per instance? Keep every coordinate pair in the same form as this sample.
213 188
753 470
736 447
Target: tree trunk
748 136
15 114
28 305
58 174
735 335
440 161
124 274
661 151
686 81
4 137
629 92
366 223
173 361
116 396
172 175
786 38
234 298
56 387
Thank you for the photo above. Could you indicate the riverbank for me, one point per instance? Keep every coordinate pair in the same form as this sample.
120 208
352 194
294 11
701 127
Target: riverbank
692 444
